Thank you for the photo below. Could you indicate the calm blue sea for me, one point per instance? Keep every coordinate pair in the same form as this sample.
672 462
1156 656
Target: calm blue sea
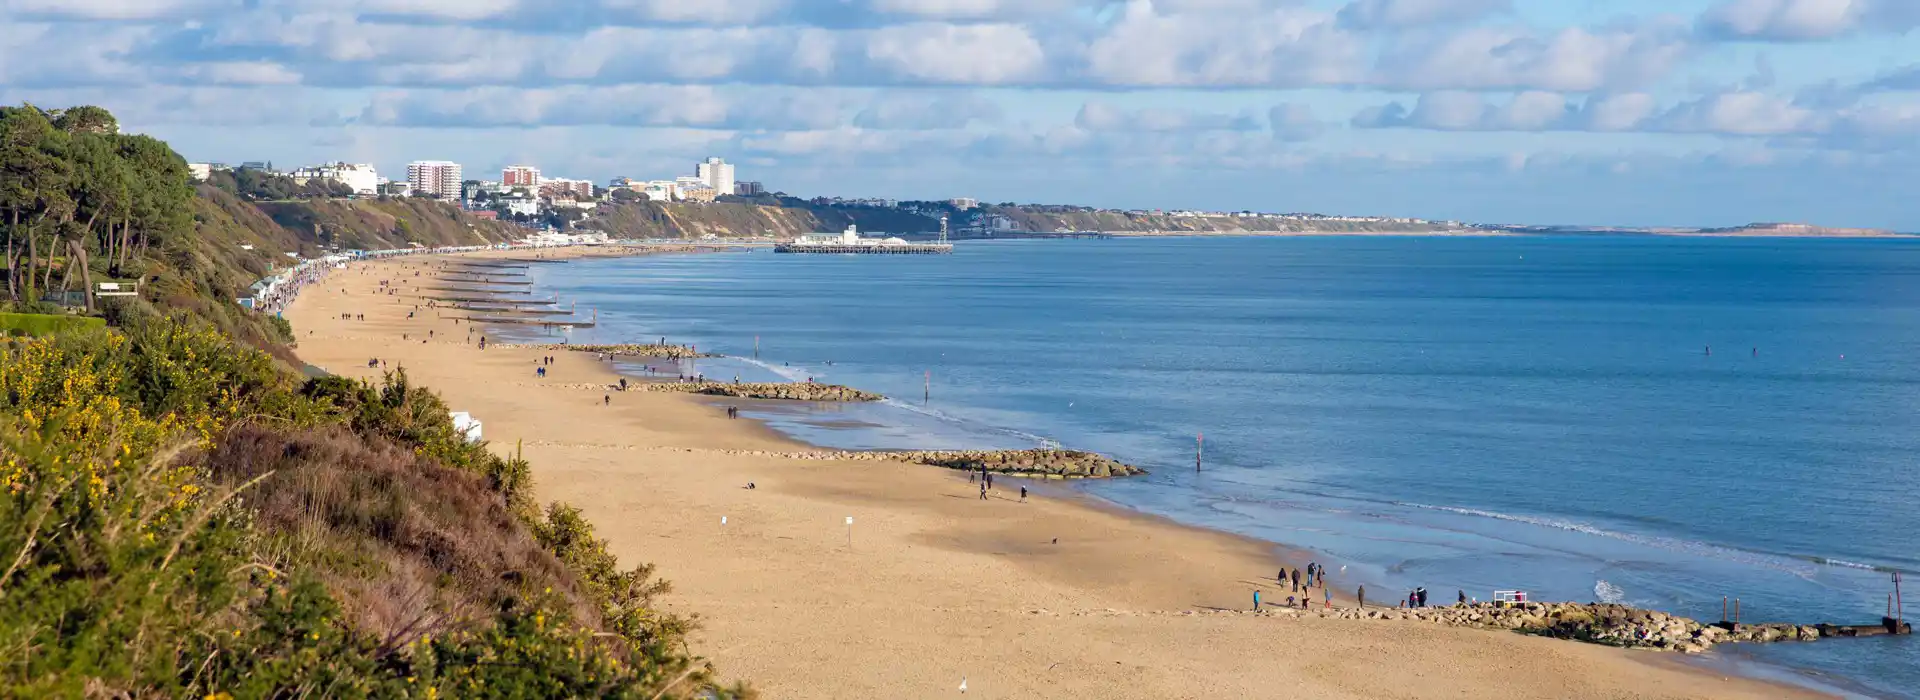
1656 421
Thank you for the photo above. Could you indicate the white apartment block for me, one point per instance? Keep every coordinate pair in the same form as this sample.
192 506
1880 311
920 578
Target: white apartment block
659 190
435 178
717 173
359 177
200 171
964 203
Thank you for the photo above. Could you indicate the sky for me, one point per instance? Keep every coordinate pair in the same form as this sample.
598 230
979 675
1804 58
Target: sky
1618 112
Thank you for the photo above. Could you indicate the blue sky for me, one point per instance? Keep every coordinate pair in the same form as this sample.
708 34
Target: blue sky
1681 112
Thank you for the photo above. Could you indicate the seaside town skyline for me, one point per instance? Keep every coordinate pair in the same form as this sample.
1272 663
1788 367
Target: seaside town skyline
1697 112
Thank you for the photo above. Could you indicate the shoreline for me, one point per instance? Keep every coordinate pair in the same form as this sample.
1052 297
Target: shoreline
938 585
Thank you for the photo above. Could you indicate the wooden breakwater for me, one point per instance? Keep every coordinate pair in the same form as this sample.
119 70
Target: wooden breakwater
522 321
492 300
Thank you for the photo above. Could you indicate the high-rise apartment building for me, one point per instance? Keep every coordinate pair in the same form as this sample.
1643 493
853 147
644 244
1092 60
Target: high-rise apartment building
718 174
434 178
520 176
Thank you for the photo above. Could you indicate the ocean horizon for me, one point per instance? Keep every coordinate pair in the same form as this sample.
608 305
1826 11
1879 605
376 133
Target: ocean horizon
1662 422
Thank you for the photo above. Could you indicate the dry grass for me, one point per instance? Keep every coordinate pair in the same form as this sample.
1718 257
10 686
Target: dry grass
410 546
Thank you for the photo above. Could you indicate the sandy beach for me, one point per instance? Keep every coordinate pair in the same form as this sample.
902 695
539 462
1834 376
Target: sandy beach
929 586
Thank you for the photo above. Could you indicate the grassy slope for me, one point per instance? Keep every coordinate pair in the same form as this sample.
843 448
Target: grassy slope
382 224
675 220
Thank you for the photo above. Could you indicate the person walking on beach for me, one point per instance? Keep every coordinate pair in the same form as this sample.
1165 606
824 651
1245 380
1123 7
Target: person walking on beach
1296 579
983 490
1363 596
1422 592
1256 600
1327 593
989 481
1023 494
1280 579
606 400
1311 568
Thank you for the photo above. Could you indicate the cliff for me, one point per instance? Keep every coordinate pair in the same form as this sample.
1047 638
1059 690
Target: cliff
787 218
742 220
1050 219
384 223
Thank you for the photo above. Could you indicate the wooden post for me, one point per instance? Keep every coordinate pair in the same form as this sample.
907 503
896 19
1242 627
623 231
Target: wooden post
1736 613
926 395
1899 604
1199 448
1723 608
756 347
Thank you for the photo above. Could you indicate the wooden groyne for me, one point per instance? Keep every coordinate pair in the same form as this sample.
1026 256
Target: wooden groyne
493 300
519 311
526 321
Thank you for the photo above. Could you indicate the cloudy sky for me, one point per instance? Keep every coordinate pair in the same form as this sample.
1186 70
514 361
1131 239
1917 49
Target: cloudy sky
1705 112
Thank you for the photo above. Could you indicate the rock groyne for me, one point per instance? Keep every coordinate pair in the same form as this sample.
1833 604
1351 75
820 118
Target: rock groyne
670 352
1039 464
1603 623
795 391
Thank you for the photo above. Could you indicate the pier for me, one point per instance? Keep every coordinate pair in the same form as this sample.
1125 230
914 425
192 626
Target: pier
849 242
901 249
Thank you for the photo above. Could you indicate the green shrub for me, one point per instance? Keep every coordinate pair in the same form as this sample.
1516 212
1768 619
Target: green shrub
45 324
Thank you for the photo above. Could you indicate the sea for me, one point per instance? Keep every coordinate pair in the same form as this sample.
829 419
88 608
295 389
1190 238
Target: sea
1672 423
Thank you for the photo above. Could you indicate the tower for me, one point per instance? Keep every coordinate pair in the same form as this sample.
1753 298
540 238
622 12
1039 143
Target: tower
943 230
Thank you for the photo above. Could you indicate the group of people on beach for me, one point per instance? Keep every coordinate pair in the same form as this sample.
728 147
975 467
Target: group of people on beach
1302 582
985 479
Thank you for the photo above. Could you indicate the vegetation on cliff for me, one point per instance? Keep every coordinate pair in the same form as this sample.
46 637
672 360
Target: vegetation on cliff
184 515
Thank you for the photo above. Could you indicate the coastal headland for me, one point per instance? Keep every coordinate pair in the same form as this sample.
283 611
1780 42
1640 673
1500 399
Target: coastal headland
834 578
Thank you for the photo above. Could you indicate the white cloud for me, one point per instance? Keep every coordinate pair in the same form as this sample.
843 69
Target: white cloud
1618 112
1408 13
984 54
1796 20
719 12
1285 46
1741 114
114 9
1569 60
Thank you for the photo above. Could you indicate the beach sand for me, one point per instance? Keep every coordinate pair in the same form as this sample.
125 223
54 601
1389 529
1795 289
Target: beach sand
930 585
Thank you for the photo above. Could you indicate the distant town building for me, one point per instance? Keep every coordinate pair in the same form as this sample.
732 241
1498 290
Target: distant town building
697 193
262 166
359 177
749 189
658 190
485 214
560 186
396 188
200 171
520 176
525 206
964 203
434 178
717 173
